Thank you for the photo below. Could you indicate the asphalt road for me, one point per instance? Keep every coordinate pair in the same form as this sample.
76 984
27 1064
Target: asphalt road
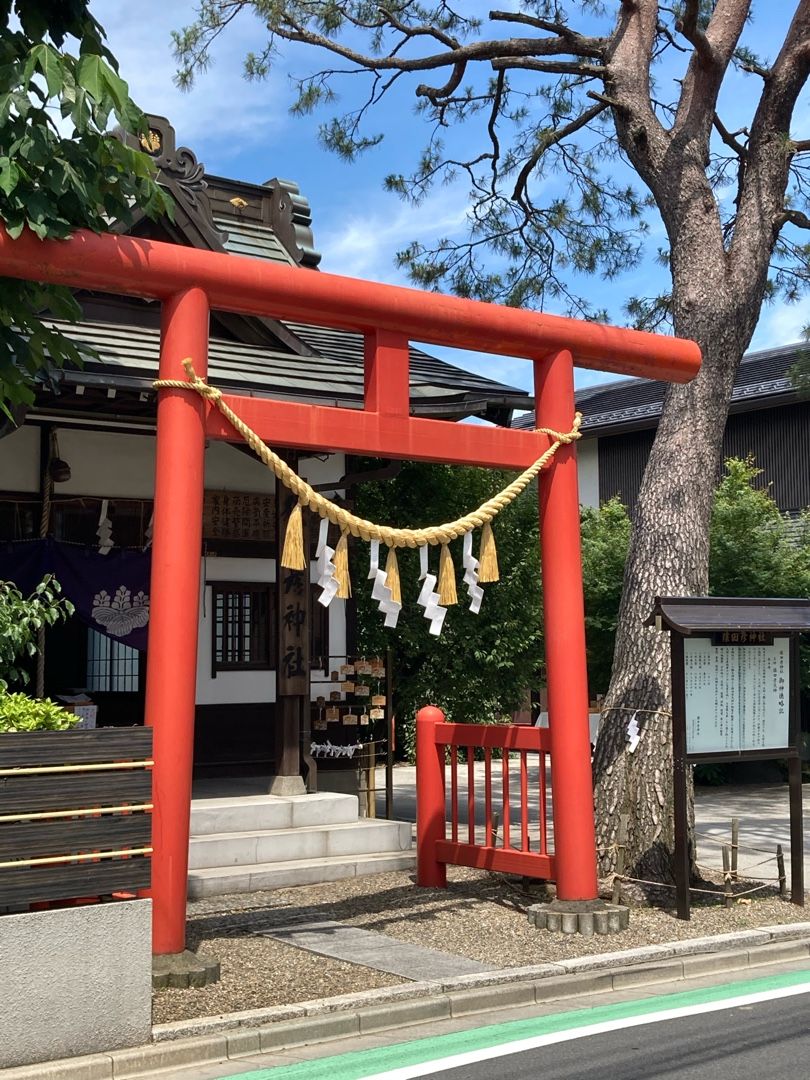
766 1041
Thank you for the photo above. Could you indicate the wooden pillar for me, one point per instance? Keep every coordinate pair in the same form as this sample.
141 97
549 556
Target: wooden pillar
292 667
574 832
171 678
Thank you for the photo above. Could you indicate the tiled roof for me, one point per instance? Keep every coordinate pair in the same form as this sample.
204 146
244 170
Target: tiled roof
253 238
636 403
128 359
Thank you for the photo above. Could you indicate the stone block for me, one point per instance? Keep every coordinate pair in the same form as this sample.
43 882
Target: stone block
184 970
286 845
464 1002
566 986
230 849
788 930
666 971
323 808
403 1013
248 813
93 1067
778 952
146 1060
312 1029
76 980
243 1043
715 963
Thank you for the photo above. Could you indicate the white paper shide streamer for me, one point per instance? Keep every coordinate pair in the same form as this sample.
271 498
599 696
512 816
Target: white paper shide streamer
633 733
326 566
429 600
382 594
470 564
104 530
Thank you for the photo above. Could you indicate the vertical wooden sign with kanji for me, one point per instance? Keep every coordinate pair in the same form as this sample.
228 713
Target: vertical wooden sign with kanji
293 615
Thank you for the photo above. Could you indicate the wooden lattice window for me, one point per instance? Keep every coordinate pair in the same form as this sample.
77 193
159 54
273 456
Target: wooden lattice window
242 637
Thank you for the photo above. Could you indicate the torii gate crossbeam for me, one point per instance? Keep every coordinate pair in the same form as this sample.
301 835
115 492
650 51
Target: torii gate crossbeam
190 283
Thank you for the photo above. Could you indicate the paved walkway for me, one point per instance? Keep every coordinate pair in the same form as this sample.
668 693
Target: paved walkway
374 950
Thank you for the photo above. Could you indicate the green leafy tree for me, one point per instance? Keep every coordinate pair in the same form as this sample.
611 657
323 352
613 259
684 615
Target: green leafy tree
755 550
60 169
574 124
605 542
480 667
21 620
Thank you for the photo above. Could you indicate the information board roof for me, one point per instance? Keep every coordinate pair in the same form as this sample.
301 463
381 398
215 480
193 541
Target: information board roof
707 614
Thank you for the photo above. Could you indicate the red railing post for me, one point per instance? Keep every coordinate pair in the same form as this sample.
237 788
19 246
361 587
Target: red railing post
571 785
430 819
171 680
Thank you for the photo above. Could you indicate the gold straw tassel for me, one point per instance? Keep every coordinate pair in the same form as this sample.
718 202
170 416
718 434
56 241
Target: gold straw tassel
488 556
392 576
447 578
292 557
341 561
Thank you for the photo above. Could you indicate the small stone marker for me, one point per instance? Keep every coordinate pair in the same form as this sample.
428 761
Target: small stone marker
559 917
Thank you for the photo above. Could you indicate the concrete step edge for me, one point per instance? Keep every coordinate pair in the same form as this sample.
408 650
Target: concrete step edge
290 864
368 824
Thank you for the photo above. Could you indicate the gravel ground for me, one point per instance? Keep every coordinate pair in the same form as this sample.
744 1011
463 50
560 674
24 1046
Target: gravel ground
480 916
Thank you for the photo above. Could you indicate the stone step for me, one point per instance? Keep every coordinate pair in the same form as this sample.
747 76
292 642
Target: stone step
257 813
221 881
361 837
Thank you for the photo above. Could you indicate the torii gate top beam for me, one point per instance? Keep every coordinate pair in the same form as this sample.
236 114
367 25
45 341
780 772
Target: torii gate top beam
123 264
190 283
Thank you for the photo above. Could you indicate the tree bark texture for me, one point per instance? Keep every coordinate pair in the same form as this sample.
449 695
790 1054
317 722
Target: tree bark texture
718 291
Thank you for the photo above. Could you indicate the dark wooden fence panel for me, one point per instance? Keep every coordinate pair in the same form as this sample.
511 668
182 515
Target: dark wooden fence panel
68 831
73 791
31 839
75 747
34 884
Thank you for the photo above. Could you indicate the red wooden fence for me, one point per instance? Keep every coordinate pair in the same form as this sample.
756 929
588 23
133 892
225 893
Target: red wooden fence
513 849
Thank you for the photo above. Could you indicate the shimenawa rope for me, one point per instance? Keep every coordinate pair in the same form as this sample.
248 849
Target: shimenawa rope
368 530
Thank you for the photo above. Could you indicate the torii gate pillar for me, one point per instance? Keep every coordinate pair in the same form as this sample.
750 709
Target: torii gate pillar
564 619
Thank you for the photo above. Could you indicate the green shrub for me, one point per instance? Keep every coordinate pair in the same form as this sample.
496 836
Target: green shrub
18 712
21 620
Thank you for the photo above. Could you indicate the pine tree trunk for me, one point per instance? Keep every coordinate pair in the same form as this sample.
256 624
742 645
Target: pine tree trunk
668 556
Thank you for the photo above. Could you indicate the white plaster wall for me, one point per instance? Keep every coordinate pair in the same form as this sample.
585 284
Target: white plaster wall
230 469
230 687
19 460
588 470
107 463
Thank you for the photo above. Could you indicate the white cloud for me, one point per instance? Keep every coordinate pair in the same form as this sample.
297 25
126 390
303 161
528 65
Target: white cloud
222 113
364 244
781 324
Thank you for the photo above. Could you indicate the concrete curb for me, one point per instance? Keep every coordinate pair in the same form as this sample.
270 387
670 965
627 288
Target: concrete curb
244 1034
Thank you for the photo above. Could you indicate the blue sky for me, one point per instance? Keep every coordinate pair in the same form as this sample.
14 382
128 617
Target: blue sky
244 130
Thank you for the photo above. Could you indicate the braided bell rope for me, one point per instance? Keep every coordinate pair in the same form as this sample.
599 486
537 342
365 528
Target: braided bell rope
348 522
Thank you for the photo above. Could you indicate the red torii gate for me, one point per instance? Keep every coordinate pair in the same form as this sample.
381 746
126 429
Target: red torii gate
189 283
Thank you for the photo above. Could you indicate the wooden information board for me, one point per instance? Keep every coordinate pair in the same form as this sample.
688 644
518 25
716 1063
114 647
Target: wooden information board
736 696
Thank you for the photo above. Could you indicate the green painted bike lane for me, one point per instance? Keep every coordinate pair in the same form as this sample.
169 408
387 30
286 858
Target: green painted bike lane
356 1065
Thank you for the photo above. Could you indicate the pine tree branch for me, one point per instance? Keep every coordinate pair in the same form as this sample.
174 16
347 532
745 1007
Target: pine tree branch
547 140
729 139
552 26
551 67
688 26
761 206
714 49
793 217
